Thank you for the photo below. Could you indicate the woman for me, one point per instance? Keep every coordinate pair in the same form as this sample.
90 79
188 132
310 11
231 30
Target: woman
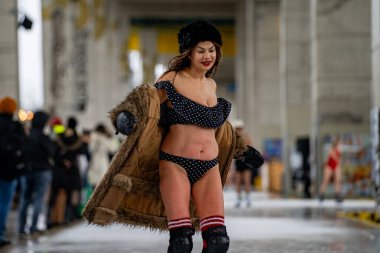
243 172
179 148
332 169
188 159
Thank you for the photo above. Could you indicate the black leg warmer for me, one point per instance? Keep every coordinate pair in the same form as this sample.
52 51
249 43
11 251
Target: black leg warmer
181 240
215 240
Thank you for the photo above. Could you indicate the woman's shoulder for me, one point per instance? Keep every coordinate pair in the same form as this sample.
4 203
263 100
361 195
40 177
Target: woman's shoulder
212 83
168 76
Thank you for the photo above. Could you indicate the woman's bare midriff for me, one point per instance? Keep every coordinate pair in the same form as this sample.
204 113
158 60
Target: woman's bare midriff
190 141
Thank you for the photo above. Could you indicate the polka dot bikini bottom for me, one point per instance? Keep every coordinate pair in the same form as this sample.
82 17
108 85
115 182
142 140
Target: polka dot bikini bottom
195 168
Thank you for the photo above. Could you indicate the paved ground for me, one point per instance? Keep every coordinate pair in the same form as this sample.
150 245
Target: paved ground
268 226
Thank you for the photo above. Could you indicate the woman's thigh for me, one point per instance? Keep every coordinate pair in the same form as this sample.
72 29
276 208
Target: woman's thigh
175 190
327 173
338 174
207 194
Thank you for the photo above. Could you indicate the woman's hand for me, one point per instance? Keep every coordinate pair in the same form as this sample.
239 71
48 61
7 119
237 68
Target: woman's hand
251 158
125 123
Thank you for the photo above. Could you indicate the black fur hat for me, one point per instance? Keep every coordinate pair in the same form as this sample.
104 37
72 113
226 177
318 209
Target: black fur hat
197 31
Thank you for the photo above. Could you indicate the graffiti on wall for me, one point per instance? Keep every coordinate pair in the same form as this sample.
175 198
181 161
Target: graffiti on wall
80 59
58 51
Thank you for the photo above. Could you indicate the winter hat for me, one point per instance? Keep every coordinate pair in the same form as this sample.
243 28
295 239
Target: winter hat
72 122
8 105
198 31
55 120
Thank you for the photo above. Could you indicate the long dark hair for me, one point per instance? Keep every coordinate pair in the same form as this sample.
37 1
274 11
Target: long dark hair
182 61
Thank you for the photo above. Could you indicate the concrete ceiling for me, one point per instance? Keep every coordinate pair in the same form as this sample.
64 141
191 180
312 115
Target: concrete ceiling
181 8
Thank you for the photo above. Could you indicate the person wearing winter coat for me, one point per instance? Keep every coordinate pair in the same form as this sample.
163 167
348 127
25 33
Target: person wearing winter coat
36 183
101 146
11 132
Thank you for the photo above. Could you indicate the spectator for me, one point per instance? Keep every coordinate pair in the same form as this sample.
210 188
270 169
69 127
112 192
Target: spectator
38 179
12 137
243 172
58 192
101 145
71 146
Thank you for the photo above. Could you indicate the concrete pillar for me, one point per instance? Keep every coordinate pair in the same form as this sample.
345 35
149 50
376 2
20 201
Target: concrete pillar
340 70
8 50
240 58
375 93
244 73
257 68
283 82
294 78
375 102
314 137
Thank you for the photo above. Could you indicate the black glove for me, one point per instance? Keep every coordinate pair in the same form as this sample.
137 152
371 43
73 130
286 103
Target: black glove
251 158
125 123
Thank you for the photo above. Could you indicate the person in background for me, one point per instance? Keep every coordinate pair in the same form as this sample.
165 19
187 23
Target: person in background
333 169
71 146
243 173
8 171
36 183
101 145
58 192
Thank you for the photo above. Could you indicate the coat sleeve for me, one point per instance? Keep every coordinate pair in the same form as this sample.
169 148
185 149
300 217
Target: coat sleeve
240 146
129 105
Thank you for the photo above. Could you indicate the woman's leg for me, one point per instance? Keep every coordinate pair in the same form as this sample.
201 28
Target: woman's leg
247 181
238 182
338 184
175 192
327 173
338 180
247 185
207 194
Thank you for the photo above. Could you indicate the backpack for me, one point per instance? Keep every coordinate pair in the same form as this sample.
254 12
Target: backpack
12 153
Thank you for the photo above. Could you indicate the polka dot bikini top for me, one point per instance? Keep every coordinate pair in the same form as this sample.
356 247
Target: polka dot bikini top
186 111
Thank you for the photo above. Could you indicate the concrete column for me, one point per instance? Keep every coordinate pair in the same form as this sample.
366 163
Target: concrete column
249 65
375 93
375 102
257 68
245 63
240 59
294 78
314 137
8 50
283 82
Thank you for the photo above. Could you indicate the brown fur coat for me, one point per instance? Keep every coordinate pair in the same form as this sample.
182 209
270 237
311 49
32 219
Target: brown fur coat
129 191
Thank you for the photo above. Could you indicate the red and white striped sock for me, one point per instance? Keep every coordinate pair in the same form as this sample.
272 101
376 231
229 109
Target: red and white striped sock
211 221
180 223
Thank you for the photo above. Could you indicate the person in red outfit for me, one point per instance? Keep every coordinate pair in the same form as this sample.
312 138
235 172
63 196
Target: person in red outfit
333 169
